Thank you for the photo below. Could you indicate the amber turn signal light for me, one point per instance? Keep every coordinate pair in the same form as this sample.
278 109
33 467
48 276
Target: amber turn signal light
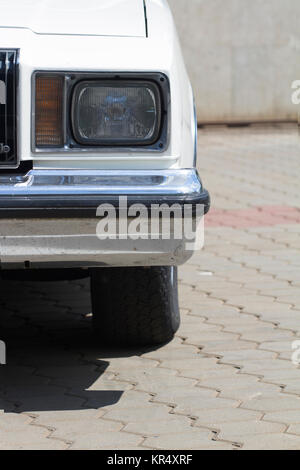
49 111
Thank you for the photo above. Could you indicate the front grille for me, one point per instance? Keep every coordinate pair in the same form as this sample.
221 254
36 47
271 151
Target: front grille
8 108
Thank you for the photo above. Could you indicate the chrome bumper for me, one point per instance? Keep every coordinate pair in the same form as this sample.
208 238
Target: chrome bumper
48 217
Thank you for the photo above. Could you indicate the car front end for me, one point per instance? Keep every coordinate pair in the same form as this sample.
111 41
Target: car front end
96 111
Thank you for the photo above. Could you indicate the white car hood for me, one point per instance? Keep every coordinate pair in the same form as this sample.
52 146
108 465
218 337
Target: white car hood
75 17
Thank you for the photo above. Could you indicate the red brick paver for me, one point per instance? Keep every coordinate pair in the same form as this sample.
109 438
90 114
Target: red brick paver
264 216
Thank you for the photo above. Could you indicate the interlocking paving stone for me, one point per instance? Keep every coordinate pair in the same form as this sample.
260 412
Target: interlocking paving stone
176 424
140 412
280 441
108 440
261 369
70 430
281 376
188 440
283 416
27 437
215 418
181 396
261 390
191 406
272 403
237 432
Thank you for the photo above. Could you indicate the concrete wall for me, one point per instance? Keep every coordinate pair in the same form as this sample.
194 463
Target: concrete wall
242 56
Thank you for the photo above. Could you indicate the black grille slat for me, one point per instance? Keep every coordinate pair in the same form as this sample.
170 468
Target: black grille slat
8 83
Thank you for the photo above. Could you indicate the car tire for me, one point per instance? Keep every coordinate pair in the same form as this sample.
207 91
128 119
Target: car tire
135 306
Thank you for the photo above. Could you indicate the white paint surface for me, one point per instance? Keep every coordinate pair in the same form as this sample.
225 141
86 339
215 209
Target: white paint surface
92 17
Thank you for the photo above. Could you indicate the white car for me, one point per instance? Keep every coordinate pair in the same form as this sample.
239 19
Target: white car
97 118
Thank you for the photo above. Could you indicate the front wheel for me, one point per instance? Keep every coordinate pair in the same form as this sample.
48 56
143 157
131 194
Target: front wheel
135 306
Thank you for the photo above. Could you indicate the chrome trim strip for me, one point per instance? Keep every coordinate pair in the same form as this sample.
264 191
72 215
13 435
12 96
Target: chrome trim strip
195 132
8 108
178 182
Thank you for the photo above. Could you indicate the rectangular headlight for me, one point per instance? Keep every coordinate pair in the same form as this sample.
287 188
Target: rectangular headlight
116 112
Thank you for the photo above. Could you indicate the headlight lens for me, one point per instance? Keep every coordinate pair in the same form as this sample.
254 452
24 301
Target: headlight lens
116 113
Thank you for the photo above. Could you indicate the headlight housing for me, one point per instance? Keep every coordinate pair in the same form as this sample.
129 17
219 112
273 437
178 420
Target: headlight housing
82 111
120 113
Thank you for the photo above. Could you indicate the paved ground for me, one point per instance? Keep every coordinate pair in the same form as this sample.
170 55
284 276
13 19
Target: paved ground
227 380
